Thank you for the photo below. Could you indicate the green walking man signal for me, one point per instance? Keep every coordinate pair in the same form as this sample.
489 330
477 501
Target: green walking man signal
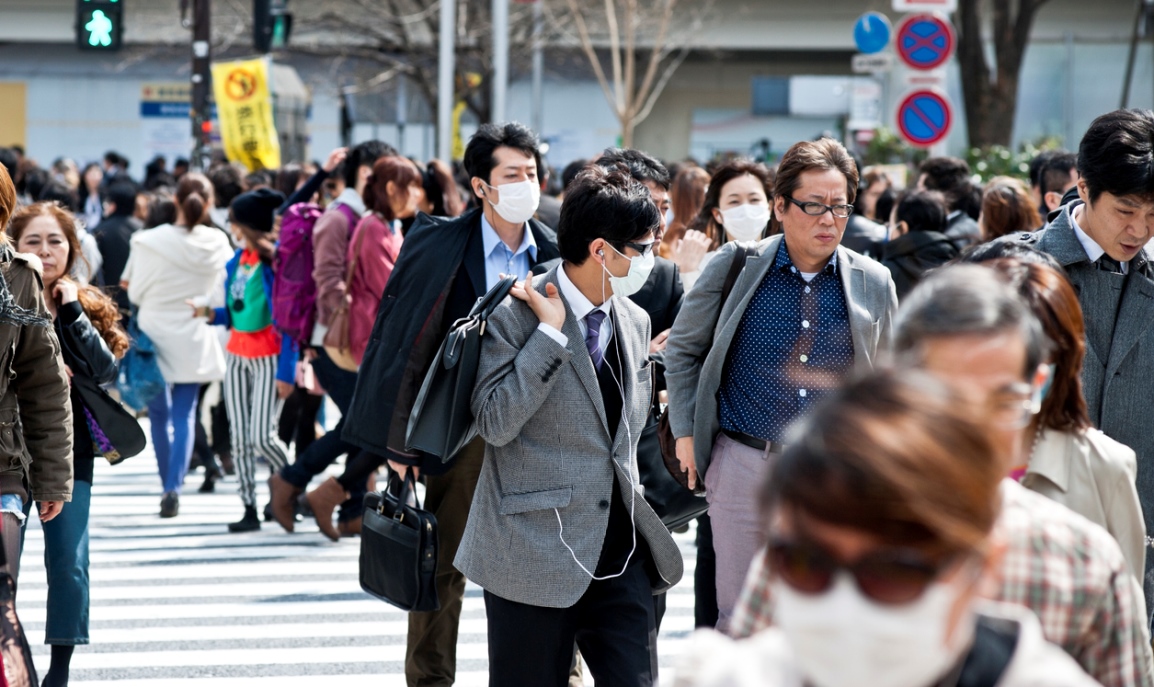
99 24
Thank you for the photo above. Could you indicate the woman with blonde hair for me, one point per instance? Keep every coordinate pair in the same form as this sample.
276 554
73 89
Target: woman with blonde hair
87 323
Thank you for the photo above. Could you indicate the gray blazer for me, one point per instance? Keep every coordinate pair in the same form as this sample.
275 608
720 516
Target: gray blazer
1117 381
704 330
548 456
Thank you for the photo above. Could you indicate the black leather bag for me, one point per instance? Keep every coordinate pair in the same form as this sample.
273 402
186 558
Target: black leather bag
122 435
398 563
442 422
675 504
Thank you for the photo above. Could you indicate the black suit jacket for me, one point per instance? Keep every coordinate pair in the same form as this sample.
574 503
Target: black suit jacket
438 276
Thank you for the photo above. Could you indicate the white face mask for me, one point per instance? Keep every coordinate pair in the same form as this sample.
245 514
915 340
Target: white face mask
639 269
745 222
519 201
843 639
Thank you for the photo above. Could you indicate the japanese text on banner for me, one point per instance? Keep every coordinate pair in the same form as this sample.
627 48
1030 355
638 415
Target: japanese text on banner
244 108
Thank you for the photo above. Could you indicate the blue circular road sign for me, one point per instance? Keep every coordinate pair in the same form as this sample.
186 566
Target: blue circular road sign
925 41
924 117
871 32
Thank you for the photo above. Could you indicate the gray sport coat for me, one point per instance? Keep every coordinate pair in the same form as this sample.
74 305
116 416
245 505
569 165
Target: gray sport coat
705 327
548 456
1118 382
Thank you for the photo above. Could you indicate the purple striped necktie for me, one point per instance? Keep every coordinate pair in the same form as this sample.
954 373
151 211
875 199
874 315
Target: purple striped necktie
593 336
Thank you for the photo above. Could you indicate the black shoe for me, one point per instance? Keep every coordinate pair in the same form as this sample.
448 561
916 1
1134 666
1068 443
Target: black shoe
211 475
268 516
170 505
249 523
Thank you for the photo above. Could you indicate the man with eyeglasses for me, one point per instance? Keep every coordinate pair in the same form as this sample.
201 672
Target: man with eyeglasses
801 315
971 330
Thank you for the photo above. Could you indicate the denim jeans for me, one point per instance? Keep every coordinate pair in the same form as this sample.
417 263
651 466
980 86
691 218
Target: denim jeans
173 415
66 562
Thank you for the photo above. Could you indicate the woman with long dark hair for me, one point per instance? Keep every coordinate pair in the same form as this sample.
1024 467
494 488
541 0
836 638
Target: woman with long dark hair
167 267
87 322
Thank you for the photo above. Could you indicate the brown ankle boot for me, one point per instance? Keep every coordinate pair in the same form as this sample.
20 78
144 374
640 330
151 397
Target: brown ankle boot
324 500
284 497
350 528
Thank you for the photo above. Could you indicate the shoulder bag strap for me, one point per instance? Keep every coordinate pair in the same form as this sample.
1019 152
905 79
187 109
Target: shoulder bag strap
738 264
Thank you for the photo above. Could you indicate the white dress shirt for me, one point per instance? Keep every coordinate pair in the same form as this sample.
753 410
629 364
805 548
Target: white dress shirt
581 306
1093 250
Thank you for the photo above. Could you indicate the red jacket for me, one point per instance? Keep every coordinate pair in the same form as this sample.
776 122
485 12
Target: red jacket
378 245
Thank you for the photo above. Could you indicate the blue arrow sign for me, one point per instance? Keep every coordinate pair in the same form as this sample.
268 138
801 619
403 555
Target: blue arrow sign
871 32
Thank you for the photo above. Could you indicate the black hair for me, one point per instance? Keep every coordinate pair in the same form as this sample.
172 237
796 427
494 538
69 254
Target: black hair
884 206
60 193
967 198
604 204
923 210
945 173
641 166
10 160
254 180
1008 248
226 184
1055 176
180 162
123 196
364 155
113 158
33 181
1116 155
479 160
1038 165
571 171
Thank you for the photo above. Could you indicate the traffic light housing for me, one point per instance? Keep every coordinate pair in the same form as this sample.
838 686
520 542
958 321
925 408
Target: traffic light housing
272 25
99 24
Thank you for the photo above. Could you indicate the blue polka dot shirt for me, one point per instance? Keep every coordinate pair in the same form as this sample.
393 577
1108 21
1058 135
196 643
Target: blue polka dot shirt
793 347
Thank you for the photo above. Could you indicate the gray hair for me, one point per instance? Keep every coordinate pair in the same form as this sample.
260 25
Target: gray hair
967 300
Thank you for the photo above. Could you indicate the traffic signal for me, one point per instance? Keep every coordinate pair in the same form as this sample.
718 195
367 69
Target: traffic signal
99 24
272 25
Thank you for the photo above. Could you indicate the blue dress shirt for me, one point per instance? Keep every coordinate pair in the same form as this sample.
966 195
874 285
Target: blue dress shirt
792 347
500 260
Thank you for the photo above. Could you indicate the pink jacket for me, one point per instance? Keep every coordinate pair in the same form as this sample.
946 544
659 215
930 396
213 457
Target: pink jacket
379 247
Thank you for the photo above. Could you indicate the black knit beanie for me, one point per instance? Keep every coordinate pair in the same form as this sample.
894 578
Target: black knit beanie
255 209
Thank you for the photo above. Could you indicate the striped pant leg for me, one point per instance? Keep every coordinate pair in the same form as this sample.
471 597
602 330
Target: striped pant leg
238 389
266 407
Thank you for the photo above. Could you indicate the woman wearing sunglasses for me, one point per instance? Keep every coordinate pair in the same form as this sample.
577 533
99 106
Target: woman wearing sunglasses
879 521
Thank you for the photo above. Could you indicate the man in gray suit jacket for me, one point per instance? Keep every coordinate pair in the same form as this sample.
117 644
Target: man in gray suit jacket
802 313
559 534
1101 241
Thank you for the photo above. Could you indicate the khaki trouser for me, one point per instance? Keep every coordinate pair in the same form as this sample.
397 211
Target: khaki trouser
431 657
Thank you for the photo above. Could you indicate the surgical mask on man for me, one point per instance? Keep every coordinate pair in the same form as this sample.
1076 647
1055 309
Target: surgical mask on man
519 201
745 222
840 638
639 269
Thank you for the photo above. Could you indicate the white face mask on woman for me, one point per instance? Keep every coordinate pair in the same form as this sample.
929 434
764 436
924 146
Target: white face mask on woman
519 201
840 638
745 222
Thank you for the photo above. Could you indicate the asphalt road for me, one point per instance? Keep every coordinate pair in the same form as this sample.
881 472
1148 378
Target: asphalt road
184 603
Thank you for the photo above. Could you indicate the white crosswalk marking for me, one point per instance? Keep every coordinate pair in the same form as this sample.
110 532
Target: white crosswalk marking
183 603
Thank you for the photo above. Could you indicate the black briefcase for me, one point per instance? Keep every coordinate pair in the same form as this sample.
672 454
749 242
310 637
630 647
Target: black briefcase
398 562
675 504
441 422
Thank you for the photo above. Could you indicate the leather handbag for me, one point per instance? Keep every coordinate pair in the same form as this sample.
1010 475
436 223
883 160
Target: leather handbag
664 432
442 421
115 432
669 497
398 563
336 341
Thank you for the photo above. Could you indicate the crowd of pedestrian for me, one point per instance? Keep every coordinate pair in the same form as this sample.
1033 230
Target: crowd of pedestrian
912 402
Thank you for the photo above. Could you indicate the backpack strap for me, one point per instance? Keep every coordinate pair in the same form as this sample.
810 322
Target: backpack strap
735 268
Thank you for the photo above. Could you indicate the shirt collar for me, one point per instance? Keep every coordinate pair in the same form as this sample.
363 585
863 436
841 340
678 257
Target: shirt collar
351 198
1093 250
1050 459
783 261
578 303
490 240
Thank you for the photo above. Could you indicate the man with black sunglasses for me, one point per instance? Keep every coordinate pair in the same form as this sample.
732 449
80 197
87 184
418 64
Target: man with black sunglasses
970 330
801 315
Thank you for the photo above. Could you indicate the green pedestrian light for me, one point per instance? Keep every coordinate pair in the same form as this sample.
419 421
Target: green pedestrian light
99 24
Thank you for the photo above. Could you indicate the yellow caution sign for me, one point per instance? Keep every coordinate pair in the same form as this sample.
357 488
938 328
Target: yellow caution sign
244 108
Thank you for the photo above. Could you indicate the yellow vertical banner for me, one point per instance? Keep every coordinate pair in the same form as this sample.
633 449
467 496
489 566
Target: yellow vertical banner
244 109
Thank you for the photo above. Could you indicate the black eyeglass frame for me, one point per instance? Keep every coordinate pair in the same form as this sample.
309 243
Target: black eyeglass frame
808 207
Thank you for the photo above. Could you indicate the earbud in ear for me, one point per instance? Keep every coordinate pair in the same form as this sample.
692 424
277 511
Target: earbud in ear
601 253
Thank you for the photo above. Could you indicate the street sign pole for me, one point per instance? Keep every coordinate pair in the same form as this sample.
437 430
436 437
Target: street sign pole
445 80
500 59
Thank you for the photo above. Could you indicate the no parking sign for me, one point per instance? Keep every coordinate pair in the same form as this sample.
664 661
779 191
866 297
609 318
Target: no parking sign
924 118
925 41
